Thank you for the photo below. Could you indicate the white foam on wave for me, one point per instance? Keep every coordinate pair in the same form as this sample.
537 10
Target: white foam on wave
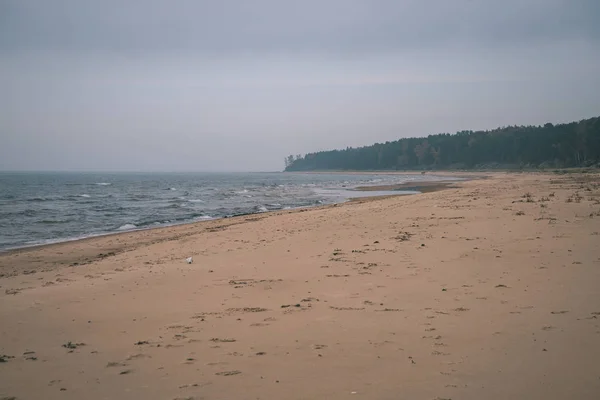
262 209
172 188
103 183
126 227
203 218
196 201
85 195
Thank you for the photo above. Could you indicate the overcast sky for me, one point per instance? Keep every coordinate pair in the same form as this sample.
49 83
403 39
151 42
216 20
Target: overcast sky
229 85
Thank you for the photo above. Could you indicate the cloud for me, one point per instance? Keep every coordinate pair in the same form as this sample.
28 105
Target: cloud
334 28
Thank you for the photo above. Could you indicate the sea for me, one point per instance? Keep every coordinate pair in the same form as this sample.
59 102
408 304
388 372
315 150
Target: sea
51 207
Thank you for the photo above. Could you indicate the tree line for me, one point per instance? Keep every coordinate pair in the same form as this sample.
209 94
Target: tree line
575 144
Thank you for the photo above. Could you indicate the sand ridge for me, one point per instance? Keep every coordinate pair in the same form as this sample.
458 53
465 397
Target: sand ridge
483 290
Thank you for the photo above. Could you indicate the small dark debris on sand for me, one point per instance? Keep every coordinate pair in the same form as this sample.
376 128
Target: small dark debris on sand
290 305
248 309
72 345
228 373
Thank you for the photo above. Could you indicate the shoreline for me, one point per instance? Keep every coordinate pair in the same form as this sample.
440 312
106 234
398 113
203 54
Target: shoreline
427 186
98 247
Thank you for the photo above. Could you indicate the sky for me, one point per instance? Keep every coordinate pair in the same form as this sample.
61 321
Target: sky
228 85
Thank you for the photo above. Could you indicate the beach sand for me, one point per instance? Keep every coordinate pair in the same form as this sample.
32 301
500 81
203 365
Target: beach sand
477 291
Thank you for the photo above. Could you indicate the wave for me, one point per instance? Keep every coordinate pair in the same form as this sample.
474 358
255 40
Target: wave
175 204
37 199
52 222
196 201
126 227
103 183
169 222
141 198
87 196
24 213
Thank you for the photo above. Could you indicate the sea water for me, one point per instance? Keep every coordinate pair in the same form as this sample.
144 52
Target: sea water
47 207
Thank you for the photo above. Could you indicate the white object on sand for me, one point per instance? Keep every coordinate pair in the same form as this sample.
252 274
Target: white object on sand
189 260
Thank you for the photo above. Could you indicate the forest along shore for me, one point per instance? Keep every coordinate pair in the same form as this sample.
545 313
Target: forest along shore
574 144
447 294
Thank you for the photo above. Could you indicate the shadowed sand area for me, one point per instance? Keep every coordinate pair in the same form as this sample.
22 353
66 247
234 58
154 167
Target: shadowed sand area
487 289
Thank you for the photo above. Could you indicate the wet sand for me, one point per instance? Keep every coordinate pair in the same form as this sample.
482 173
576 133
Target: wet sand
486 289
422 187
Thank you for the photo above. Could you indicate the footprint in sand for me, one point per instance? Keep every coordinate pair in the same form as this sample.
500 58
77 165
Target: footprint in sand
126 372
548 328
116 364
226 340
137 357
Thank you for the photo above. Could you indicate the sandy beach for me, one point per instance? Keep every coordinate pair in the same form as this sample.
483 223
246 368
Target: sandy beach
487 289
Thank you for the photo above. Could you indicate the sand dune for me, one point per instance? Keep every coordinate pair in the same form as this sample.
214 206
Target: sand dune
488 289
